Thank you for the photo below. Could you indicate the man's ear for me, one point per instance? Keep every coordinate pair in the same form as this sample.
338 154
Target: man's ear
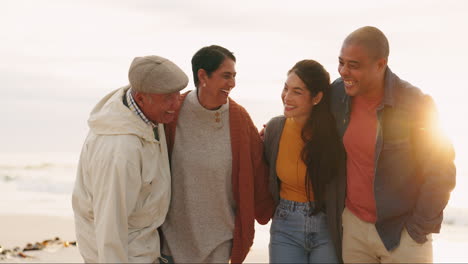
139 98
382 64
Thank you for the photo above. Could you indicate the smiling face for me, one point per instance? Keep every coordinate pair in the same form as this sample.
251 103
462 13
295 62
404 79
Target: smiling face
158 108
361 74
214 89
297 99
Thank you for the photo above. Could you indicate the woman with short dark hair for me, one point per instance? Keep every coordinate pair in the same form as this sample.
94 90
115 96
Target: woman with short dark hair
219 176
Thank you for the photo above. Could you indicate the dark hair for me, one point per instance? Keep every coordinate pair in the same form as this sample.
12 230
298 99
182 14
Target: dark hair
209 58
321 142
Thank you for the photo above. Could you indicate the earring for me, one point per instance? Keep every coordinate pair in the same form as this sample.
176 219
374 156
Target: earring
204 85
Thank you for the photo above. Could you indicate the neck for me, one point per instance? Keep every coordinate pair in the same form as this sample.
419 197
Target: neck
377 91
301 120
205 102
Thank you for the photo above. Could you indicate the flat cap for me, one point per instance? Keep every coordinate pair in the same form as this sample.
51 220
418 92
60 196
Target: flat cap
155 74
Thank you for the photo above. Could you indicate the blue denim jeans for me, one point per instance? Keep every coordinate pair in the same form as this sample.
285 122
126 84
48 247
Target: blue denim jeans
296 236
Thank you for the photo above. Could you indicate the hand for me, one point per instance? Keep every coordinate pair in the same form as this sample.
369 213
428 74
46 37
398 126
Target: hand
262 133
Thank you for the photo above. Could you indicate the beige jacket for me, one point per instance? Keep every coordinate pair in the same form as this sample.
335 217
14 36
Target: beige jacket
122 187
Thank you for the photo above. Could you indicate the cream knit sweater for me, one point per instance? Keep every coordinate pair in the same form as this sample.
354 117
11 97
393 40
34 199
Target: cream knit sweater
200 223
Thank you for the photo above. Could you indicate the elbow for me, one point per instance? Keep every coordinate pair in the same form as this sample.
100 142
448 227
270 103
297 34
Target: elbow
265 211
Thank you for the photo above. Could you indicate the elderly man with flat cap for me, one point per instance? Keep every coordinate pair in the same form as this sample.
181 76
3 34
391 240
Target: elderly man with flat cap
122 188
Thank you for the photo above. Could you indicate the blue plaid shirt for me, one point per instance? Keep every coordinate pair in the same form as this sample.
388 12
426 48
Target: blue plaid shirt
134 107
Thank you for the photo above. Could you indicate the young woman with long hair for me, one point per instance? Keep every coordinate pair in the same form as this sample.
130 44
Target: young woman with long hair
303 151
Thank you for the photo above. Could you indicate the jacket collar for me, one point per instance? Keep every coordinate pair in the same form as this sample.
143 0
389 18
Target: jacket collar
389 88
112 117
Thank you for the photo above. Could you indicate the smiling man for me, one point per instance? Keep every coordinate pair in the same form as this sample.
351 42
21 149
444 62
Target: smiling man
400 169
122 188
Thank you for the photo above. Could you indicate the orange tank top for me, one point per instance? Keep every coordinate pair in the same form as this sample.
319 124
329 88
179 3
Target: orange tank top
290 168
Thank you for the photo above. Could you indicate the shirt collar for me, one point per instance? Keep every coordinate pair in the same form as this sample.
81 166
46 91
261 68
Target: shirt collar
134 107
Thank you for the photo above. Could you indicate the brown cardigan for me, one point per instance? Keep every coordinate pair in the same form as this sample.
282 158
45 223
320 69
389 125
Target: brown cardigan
249 177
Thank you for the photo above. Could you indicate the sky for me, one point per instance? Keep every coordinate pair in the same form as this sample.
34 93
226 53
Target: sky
59 57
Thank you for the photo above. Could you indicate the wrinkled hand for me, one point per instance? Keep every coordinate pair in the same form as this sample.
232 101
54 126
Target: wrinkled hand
262 133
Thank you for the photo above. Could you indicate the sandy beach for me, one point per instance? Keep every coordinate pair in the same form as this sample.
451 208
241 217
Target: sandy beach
17 230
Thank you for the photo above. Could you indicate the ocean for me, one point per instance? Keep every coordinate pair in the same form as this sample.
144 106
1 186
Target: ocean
42 183
37 183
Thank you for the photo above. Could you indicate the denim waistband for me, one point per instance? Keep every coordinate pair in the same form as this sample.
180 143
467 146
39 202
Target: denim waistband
296 206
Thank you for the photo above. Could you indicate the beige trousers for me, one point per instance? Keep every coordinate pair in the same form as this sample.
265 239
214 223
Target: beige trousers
362 244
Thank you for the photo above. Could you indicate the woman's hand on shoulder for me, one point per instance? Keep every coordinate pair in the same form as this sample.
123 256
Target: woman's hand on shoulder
261 133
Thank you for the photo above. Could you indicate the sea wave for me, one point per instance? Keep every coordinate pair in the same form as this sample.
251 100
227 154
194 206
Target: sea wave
55 178
35 166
